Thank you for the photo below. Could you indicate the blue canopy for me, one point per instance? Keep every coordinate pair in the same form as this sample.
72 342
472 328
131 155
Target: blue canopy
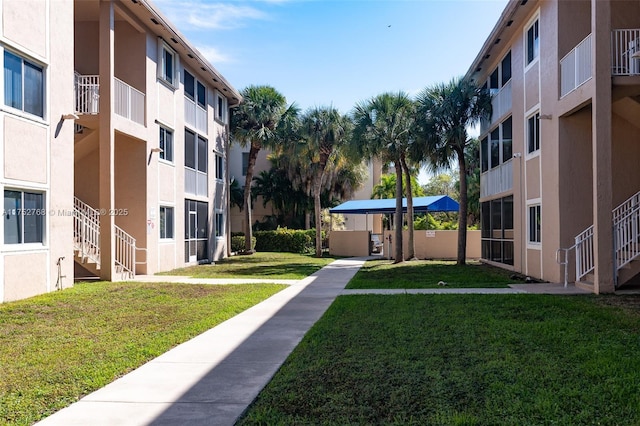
434 203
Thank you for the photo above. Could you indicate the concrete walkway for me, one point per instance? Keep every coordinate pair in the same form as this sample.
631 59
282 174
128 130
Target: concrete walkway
212 378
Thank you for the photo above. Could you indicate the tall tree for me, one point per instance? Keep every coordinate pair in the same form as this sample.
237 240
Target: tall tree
445 111
261 120
325 130
383 127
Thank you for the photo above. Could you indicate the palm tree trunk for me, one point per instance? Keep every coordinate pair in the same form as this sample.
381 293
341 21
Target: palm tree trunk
462 214
411 250
248 233
317 207
399 256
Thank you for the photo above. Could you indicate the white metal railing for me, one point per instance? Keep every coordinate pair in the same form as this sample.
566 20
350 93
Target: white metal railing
125 254
626 232
87 93
501 102
575 67
497 180
584 253
194 115
86 231
129 102
624 44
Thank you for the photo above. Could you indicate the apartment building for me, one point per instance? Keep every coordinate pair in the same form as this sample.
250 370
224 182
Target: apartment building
37 146
560 154
115 141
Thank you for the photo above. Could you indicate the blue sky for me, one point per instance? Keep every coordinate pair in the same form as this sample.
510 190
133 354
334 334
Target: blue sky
320 53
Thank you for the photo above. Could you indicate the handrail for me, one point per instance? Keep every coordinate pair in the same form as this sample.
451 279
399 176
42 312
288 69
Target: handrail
87 93
125 253
86 230
564 261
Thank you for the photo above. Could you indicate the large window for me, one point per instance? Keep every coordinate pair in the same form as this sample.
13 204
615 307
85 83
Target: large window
533 42
497 230
533 133
497 147
166 144
195 161
221 108
501 75
23 84
534 224
166 222
195 90
24 214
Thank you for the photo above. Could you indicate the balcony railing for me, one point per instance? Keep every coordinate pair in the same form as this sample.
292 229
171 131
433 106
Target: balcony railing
129 102
575 67
195 182
497 180
500 105
625 44
87 93
195 116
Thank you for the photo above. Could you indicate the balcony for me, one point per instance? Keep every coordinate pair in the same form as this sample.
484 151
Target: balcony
497 180
129 102
500 104
195 116
625 52
575 67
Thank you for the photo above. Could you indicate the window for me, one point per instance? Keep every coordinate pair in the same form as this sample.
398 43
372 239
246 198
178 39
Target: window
23 217
534 224
497 148
500 76
167 65
245 163
166 222
219 225
221 108
507 139
219 167
195 162
23 85
533 133
166 144
497 230
195 151
533 42
505 69
195 90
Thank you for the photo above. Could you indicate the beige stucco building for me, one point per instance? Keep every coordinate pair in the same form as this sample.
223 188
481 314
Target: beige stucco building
560 154
115 141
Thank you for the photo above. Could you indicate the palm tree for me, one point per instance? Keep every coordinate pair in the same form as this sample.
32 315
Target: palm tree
383 127
261 120
385 188
445 111
324 129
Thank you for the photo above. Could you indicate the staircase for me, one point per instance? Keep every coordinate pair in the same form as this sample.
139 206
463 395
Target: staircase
86 240
626 235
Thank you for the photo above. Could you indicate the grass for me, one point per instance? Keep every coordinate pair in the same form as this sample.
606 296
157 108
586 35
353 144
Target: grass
427 274
259 265
462 360
57 347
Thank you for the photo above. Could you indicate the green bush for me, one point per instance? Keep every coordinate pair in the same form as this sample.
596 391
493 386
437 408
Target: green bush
238 241
286 240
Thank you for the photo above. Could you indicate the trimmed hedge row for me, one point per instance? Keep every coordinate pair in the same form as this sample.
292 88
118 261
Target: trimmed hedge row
280 240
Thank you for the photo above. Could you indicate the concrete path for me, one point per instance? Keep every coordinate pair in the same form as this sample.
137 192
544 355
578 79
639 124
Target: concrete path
212 378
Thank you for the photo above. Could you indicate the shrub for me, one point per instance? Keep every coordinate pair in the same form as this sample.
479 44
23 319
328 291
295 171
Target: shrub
238 241
285 240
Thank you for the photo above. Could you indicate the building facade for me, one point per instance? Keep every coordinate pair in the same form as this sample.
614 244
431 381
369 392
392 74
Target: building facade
115 129
559 177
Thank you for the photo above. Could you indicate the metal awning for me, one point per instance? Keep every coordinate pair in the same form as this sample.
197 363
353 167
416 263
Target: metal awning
434 203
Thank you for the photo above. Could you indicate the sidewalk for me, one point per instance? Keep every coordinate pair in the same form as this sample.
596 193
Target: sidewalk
212 378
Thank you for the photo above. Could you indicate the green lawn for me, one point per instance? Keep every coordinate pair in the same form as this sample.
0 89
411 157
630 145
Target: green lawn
462 360
427 274
57 347
259 265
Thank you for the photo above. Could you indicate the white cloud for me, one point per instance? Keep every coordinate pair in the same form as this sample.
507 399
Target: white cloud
214 55
207 15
